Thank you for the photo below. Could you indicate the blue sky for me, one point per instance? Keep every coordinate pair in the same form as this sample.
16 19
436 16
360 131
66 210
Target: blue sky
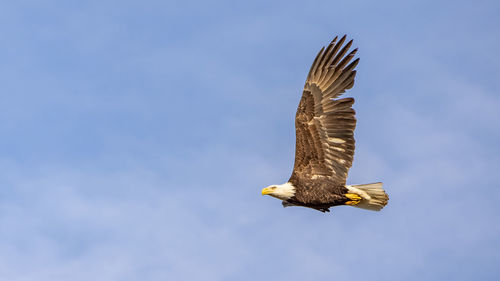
136 136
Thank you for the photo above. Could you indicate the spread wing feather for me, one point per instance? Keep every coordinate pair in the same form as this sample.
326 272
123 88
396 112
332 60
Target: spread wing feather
324 124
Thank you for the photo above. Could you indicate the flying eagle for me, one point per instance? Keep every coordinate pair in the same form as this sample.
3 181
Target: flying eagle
324 128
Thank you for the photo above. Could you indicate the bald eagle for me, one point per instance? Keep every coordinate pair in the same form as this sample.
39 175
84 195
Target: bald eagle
324 128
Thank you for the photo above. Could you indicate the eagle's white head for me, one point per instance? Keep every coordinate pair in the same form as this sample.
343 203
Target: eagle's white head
282 191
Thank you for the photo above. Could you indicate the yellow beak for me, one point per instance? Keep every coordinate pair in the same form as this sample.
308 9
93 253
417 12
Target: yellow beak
266 191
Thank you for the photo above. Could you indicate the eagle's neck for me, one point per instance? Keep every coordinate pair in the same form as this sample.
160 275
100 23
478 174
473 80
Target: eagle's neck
284 191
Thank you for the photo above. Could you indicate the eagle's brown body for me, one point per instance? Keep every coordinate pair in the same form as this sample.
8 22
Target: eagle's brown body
324 126
320 194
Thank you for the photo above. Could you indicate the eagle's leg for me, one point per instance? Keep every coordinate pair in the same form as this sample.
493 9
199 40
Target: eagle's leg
354 199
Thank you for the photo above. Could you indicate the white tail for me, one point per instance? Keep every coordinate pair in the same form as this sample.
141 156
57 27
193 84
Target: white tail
373 196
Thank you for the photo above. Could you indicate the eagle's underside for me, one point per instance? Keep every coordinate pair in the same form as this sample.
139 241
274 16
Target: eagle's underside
318 194
320 207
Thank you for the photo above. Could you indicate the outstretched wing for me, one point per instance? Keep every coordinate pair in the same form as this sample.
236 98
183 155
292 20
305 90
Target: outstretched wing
325 125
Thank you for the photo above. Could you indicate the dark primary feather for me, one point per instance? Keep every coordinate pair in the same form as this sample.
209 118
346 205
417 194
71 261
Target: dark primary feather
325 125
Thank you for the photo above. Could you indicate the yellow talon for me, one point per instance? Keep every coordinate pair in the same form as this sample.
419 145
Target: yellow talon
353 197
352 203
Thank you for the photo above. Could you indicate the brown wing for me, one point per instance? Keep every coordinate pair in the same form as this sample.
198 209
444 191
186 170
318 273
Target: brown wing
324 125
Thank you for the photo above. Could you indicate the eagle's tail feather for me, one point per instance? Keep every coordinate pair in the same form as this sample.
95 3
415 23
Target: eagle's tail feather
373 196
